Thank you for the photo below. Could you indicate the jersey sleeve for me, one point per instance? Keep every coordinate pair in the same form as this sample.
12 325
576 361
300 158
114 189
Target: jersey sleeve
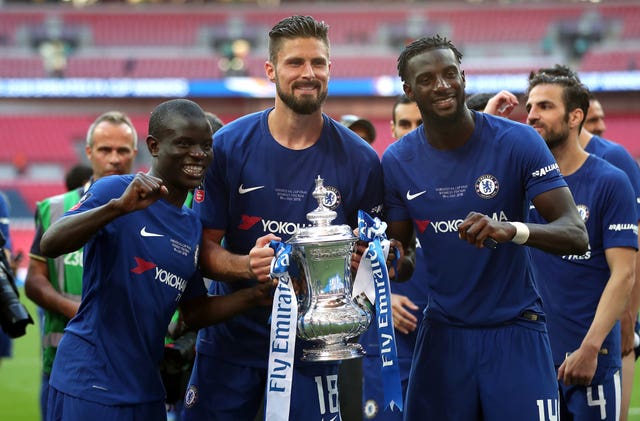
540 169
619 216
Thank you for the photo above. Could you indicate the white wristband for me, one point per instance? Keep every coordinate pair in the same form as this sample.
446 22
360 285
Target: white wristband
522 233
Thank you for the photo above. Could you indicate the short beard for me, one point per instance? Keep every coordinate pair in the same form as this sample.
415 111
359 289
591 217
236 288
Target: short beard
301 105
555 141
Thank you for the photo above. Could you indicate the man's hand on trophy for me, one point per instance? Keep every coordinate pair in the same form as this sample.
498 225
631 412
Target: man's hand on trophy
359 249
394 258
260 257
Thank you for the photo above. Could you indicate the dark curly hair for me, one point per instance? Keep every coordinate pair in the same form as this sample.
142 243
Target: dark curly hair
421 45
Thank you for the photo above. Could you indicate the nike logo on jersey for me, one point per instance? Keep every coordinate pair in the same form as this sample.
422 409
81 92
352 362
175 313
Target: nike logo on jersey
413 196
243 190
145 233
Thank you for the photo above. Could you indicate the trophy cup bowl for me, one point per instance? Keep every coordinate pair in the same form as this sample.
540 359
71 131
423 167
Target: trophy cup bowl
328 317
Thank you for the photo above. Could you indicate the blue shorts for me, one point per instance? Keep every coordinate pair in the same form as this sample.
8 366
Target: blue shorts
494 373
221 390
63 407
598 401
373 393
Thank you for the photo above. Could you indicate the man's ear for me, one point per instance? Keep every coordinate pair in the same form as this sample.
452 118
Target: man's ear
576 117
153 145
270 71
407 91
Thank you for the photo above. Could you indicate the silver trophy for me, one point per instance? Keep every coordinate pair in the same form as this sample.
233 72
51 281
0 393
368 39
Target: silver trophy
327 315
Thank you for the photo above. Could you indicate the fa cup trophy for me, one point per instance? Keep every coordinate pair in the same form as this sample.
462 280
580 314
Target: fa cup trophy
327 314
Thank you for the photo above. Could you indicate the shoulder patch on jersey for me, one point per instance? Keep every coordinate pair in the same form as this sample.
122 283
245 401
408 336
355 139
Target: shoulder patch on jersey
487 186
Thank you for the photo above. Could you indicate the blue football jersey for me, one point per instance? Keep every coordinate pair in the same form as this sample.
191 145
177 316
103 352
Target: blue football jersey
137 268
494 172
618 156
255 186
571 285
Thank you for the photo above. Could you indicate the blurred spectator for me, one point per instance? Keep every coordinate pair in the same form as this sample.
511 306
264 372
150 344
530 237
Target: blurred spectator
233 62
363 127
20 162
54 57
77 176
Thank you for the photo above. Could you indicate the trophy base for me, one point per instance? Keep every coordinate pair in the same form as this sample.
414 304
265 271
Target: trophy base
333 352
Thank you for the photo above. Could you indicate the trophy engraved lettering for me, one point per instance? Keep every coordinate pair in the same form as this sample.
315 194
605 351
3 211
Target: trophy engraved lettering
328 317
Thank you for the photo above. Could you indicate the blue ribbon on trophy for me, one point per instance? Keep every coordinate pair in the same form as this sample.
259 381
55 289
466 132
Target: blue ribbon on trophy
373 266
282 343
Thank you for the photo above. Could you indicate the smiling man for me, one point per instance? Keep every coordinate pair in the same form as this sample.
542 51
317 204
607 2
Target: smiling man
482 351
260 188
141 247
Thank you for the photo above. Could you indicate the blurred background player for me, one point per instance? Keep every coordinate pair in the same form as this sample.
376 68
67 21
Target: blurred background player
405 117
594 123
77 176
363 127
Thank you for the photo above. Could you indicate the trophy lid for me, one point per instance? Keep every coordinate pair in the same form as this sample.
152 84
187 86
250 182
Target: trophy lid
321 217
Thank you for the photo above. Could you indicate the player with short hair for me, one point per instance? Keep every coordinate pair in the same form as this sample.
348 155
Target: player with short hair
463 182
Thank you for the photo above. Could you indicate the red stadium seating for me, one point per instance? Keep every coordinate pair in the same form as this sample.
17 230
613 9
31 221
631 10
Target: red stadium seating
610 60
22 67
361 35
126 28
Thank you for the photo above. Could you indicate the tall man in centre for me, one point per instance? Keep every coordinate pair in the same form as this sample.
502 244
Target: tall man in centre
260 189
